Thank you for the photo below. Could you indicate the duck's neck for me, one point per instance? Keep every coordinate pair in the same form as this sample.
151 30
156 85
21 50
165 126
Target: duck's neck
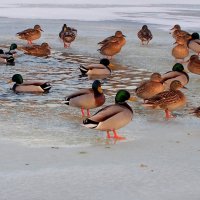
124 104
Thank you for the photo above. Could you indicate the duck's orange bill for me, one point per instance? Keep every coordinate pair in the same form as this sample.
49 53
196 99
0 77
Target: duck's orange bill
100 90
132 99
10 81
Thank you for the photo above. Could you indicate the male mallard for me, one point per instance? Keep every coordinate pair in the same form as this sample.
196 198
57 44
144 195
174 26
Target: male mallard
168 100
177 73
87 98
145 34
28 87
112 117
194 64
180 51
37 50
177 32
30 34
6 58
97 69
67 35
194 43
117 37
150 88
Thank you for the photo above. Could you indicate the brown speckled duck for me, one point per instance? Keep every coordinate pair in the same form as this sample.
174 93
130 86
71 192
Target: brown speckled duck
145 35
87 98
177 73
194 64
112 117
117 37
168 100
150 88
29 87
67 35
177 32
37 50
180 51
30 34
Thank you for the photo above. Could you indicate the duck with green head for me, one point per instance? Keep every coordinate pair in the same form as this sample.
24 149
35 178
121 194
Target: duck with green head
168 100
5 59
87 98
112 117
177 73
97 69
28 87
194 43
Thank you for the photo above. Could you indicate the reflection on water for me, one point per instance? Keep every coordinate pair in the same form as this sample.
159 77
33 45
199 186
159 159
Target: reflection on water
44 119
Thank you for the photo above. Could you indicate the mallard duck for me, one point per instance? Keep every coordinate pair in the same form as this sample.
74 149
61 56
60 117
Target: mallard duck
150 88
194 64
112 117
196 111
177 73
6 59
177 32
168 100
28 87
145 34
67 35
194 43
117 37
37 50
30 34
180 51
97 69
87 98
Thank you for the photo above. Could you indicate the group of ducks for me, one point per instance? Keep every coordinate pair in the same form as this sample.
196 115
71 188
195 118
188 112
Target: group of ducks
159 92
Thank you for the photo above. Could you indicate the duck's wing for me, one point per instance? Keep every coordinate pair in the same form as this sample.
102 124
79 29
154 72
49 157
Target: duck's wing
27 32
106 40
79 93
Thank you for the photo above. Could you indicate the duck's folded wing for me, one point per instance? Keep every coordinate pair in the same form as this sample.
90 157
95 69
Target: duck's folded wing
27 32
79 93
106 113
106 40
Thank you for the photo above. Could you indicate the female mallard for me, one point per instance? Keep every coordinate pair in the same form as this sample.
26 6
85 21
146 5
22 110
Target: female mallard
194 43
168 100
112 117
37 50
87 98
145 35
67 35
30 34
196 111
28 87
177 73
117 37
177 32
180 51
97 69
194 64
150 88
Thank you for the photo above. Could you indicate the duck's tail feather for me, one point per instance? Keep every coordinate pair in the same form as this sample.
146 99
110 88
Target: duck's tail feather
83 69
46 87
90 123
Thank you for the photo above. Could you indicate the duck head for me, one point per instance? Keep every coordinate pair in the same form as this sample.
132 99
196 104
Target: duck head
195 36
105 62
13 46
1 51
119 34
176 85
96 86
156 77
176 27
37 27
144 27
178 67
122 96
17 78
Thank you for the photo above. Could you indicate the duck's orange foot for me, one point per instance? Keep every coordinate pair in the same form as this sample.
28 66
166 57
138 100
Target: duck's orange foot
118 137
169 115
